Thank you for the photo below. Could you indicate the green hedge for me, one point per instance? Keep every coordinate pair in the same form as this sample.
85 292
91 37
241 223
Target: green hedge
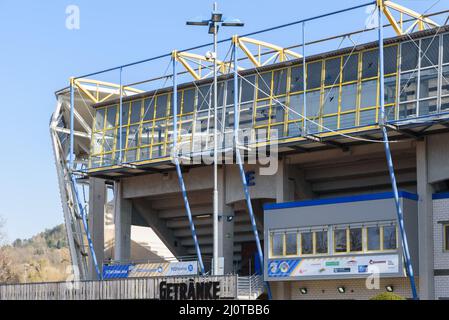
387 296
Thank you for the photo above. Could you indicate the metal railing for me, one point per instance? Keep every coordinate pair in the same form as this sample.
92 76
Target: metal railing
250 287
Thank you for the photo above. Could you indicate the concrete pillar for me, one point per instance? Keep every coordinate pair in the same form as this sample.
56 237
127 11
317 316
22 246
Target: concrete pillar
122 220
225 225
97 200
425 223
284 189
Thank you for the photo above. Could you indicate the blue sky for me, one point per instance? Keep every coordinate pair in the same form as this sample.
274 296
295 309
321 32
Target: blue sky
38 54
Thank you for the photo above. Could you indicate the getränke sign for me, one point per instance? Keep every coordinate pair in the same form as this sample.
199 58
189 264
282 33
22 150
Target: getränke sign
191 290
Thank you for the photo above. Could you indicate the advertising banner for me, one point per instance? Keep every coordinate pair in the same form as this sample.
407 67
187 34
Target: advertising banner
333 267
185 268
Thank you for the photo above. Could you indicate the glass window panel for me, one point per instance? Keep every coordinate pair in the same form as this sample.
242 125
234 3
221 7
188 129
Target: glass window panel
133 136
409 56
159 131
125 113
446 237
97 143
408 86
291 244
445 104
373 238
331 100
296 105
220 97
136 109
307 243
446 48
369 63
277 242
107 160
340 240
390 90
262 115
313 103
247 91
349 97
157 151
390 59
204 95
145 153
111 117
321 242
188 101
445 81
390 242
430 51
229 92
296 81
131 155
314 75
330 123
407 110
369 94
264 85
148 108
332 72
367 117
294 129
147 131
99 119
280 82
355 239
161 106
277 131
428 83
347 120
246 115
350 68
109 137
278 111
123 132
427 107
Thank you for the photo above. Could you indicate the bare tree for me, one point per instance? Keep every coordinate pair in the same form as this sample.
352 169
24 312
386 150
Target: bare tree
7 274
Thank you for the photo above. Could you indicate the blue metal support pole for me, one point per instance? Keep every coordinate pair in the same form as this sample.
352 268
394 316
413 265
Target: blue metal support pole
304 69
382 121
86 228
178 167
120 117
72 122
242 170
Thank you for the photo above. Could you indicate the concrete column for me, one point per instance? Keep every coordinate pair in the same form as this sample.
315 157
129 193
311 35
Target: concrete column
284 190
281 290
97 200
425 223
225 225
122 220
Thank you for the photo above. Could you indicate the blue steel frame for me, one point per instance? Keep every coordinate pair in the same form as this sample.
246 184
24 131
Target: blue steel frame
178 167
242 170
394 186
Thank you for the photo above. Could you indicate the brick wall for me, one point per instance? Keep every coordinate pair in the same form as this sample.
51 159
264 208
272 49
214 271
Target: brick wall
441 258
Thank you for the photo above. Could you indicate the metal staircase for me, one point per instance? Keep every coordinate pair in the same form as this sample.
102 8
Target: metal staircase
250 287
72 217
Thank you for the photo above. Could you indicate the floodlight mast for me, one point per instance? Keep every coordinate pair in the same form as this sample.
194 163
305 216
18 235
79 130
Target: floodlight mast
214 23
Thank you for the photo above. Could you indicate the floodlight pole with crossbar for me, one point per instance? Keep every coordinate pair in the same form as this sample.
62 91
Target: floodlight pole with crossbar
214 23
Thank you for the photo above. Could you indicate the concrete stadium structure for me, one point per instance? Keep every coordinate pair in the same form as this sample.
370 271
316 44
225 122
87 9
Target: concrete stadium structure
331 173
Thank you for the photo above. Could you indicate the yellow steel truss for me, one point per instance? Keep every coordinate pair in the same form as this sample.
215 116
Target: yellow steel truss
419 19
100 91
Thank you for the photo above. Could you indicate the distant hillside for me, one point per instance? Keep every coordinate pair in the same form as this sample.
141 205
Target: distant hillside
43 257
